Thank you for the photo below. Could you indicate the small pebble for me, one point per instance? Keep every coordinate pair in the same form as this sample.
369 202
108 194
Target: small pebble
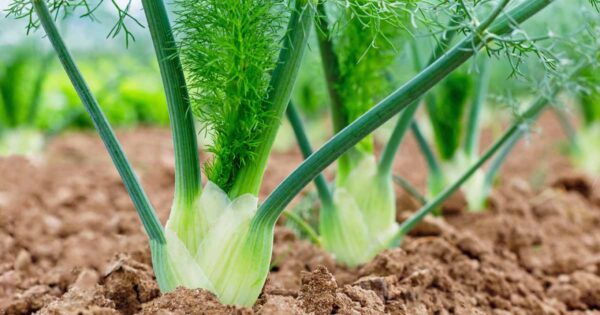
86 279
23 261
53 224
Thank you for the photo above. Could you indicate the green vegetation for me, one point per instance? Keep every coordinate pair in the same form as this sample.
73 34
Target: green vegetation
237 66
37 101
20 97
585 145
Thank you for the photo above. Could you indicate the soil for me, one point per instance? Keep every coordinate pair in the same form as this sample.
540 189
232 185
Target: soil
71 242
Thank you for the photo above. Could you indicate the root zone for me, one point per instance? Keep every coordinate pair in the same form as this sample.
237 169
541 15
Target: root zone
71 243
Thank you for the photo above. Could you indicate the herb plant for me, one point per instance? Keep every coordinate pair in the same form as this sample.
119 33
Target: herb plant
358 45
359 220
218 237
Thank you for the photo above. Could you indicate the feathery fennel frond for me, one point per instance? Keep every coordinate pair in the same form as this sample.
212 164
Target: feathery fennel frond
367 36
22 9
228 49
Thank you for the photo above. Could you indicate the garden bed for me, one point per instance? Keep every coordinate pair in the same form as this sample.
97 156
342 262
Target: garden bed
71 242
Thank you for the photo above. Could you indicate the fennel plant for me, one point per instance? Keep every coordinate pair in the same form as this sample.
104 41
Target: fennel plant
218 237
361 220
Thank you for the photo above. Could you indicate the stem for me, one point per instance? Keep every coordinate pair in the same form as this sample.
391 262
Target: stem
389 151
567 126
531 113
501 158
409 188
432 163
472 132
187 165
304 226
407 225
331 69
387 108
282 82
406 117
442 45
304 144
492 17
68 120
569 129
132 183
497 162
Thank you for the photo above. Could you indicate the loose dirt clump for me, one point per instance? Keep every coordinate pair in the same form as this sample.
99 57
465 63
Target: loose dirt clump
185 301
71 243
81 302
318 292
129 284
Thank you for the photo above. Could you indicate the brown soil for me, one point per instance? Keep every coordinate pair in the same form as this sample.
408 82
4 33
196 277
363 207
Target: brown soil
71 243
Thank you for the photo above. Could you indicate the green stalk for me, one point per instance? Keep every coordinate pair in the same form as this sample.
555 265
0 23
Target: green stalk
389 151
331 69
304 226
472 132
409 188
530 114
132 184
569 129
187 165
436 181
271 209
501 158
68 120
282 82
296 122
407 115
497 162
432 163
443 44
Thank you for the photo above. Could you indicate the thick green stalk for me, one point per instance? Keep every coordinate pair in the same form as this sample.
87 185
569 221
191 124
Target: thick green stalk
387 108
187 165
282 82
432 163
298 127
530 114
472 132
331 69
406 116
132 184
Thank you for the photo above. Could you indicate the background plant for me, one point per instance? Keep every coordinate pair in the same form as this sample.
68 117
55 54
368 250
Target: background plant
350 248
38 101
